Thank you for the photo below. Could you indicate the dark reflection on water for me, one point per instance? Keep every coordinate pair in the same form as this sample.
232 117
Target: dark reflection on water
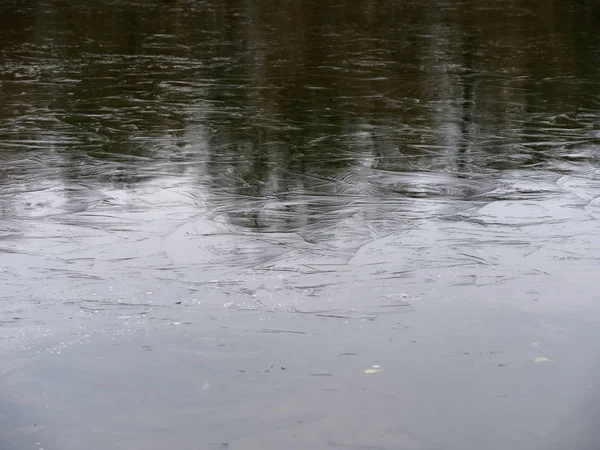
214 216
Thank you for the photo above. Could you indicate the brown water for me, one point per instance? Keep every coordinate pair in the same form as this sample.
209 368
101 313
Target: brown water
216 217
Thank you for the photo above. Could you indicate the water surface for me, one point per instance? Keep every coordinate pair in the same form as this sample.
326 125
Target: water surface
216 216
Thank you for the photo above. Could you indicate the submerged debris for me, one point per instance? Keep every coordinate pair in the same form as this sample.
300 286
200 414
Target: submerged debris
373 369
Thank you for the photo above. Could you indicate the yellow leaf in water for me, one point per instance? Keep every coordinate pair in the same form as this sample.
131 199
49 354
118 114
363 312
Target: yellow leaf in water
373 369
541 359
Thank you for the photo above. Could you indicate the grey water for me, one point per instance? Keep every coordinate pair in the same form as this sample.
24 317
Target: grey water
264 224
